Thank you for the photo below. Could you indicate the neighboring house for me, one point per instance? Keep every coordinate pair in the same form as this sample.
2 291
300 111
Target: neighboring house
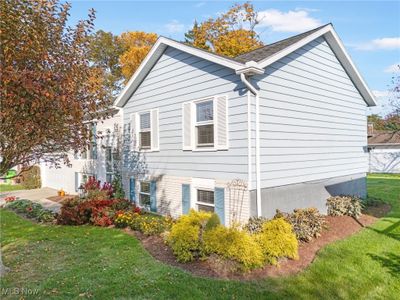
97 161
384 151
280 127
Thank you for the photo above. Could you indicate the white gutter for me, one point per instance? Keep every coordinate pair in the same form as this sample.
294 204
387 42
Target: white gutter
249 162
258 180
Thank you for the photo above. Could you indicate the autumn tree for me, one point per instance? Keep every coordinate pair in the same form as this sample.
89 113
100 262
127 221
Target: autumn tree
48 86
105 49
230 34
136 45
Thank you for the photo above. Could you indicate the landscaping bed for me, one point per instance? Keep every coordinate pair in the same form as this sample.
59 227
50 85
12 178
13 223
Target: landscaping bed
336 228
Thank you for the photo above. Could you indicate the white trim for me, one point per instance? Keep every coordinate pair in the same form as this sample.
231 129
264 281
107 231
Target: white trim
249 142
200 184
155 149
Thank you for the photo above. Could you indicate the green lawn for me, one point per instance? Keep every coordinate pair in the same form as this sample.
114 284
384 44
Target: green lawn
10 187
77 262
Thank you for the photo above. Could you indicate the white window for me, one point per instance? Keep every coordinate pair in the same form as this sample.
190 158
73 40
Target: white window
205 124
205 200
145 130
144 193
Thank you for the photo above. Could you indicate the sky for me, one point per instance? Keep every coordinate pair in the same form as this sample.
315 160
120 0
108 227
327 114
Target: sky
370 30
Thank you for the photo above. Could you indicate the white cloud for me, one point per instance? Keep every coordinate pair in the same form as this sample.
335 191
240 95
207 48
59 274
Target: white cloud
200 4
290 21
388 43
174 26
395 68
383 106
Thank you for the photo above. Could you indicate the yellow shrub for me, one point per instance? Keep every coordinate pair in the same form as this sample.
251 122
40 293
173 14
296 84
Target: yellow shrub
235 244
277 239
185 236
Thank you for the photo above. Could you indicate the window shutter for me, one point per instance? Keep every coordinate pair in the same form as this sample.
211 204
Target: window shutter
94 141
153 198
185 198
219 202
221 122
132 194
76 181
187 122
155 140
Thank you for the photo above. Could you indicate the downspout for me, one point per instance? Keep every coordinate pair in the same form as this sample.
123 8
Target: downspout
258 180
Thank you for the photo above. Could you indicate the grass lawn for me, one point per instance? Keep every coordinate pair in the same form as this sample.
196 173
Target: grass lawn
10 187
77 262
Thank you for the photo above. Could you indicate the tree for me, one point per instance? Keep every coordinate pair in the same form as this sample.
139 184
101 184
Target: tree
48 86
230 34
104 52
136 45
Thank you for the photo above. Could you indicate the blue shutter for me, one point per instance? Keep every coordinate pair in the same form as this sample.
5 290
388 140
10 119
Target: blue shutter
76 181
132 195
185 198
94 141
219 202
153 198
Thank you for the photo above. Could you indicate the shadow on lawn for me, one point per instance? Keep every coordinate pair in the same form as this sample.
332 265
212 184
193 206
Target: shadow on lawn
389 261
392 231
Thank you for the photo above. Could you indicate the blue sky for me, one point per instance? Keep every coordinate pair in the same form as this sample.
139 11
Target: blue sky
370 30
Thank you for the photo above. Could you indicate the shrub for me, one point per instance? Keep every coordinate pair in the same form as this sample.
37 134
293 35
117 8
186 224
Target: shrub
123 204
277 240
95 191
123 219
118 189
30 178
307 223
234 244
254 225
150 224
10 199
31 210
185 238
97 195
344 206
212 222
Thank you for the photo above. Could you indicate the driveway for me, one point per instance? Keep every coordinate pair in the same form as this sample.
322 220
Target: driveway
36 195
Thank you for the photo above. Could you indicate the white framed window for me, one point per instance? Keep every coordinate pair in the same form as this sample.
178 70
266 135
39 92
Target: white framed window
205 124
145 131
204 127
205 200
144 194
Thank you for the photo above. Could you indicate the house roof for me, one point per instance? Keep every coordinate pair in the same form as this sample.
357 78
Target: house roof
384 138
268 50
254 60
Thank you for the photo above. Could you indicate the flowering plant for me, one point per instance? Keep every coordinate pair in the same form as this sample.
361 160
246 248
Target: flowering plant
10 199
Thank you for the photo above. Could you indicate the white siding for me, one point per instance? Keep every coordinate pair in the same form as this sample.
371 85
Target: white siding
313 119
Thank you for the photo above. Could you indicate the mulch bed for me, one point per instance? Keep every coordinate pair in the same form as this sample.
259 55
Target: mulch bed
336 228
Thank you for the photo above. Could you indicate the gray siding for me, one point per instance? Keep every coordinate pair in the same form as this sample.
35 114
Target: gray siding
177 78
313 119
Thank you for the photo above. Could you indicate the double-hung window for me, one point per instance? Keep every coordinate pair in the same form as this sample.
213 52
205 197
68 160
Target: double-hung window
205 200
205 123
145 131
144 193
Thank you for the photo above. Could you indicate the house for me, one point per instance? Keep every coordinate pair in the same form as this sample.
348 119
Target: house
97 161
384 151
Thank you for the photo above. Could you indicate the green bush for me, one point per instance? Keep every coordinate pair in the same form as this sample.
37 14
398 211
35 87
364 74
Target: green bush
276 240
234 244
31 210
150 224
254 225
344 206
212 222
186 235
30 179
307 223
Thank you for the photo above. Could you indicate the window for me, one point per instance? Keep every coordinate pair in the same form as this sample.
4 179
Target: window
205 123
205 200
144 194
145 131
